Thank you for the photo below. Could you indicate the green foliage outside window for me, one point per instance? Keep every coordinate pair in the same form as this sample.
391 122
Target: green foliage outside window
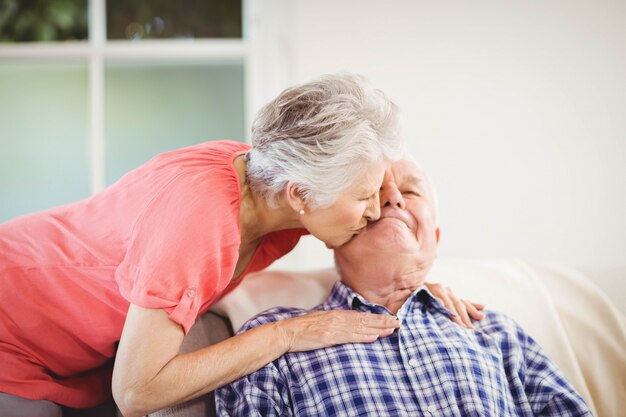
43 20
63 20
141 19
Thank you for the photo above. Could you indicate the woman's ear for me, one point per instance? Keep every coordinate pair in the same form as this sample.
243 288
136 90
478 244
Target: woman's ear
295 199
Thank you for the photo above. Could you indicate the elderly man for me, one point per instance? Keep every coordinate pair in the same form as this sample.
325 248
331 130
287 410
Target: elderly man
429 366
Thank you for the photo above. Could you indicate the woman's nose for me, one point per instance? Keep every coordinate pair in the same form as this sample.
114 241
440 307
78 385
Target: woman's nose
373 211
391 196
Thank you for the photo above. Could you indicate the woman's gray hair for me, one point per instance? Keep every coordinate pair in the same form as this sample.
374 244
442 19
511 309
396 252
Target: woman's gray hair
322 136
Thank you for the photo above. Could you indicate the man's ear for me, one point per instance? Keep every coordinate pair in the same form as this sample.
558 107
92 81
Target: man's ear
437 232
294 197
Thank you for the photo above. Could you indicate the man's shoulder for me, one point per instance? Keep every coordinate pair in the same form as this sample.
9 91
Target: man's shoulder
497 321
272 315
495 318
501 326
282 313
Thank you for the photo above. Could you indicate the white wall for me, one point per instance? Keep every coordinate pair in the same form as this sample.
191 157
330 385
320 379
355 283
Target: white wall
517 109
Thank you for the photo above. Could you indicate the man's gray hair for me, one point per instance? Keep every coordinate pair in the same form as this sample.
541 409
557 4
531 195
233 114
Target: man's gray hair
322 136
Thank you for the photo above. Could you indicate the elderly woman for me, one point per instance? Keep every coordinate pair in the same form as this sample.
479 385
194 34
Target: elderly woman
100 293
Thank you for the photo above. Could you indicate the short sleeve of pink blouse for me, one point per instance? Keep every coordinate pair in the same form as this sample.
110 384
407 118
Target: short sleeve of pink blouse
184 245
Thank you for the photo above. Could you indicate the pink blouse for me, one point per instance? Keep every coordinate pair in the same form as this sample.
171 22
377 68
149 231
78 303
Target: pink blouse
166 235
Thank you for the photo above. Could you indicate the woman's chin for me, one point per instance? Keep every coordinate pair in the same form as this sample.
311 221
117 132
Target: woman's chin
338 241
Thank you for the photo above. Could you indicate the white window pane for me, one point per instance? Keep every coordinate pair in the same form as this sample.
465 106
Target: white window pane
43 136
157 108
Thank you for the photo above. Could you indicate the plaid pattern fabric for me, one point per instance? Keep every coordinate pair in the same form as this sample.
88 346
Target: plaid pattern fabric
429 367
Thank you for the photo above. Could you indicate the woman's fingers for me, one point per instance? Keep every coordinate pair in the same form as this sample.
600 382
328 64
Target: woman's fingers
441 293
366 323
474 309
327 328
367 337
382 321
464 310
451 303
463 314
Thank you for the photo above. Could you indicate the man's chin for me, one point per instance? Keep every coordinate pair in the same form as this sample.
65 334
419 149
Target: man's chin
388 235
390 225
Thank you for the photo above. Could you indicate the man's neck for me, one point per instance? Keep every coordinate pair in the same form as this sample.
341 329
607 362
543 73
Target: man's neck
392 291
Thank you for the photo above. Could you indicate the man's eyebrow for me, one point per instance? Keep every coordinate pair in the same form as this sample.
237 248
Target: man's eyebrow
412 179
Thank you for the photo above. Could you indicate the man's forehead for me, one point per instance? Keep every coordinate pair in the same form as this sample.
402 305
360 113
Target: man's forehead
408 173
410 178
406 170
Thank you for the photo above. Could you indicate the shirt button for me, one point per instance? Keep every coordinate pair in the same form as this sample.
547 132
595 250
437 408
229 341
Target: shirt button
191 293
432 408
413 362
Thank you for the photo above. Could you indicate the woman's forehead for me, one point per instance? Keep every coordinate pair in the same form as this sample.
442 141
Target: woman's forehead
371 179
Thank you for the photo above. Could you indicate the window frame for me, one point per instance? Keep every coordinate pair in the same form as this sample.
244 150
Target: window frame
97 52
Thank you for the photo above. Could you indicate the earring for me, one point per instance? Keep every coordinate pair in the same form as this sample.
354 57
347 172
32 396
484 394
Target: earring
301 212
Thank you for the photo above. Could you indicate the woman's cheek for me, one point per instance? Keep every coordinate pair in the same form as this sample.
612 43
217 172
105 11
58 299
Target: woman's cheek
356 214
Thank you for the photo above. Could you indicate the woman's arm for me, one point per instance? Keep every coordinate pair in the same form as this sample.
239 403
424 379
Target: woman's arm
150 374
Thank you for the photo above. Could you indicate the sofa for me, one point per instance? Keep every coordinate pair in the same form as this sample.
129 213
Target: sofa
570 317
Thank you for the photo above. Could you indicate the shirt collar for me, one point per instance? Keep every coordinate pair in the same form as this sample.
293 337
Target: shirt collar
342 296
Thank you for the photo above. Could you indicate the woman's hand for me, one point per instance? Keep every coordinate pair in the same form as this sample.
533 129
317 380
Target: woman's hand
328 328
463 309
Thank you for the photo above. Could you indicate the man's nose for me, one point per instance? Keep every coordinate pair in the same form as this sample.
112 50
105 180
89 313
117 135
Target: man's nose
391 196
373 211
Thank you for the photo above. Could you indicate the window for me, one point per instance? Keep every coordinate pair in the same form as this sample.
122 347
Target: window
92 89
141 19
43 131
41 20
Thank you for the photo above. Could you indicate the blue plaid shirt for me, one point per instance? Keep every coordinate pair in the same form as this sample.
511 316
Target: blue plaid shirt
428 367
